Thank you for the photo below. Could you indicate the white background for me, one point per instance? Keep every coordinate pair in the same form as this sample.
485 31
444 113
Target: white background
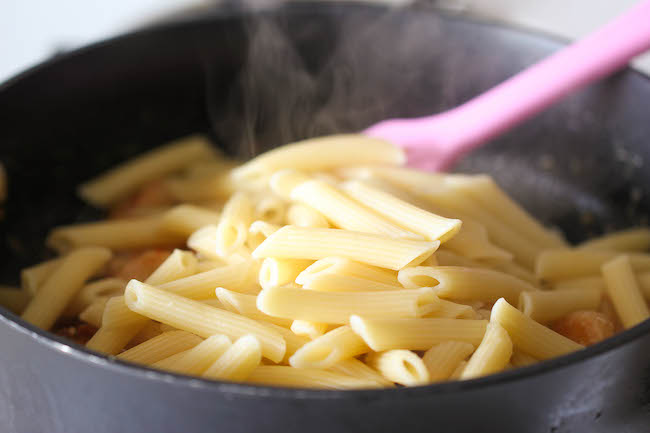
31 30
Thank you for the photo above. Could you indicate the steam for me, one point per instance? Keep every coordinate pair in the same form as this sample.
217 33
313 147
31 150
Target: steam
339 73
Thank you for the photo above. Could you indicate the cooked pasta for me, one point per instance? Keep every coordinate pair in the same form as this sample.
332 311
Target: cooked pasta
325 264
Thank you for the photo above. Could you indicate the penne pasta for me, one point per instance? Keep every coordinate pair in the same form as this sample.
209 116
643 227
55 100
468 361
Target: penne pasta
624 291
301 215
232 229
354 368
416 334
443 358
185 219
331 282
179 264
400 366
528 335
547 306
630 240
310 329
121 234
198 318
160 347
63 284
322 154
492 355
100 289
336 307
119 182
346 267
521 359
412 218
238 361
292 340
279 272
197 359
276 375
557 265
469 284
308 243
345 213
270 209
328 349
258 232
32 278
451 310
93 313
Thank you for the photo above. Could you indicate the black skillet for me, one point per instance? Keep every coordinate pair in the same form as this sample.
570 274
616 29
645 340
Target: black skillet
256 82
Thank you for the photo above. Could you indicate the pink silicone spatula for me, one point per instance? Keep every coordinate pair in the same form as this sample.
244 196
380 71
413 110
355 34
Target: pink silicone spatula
435 142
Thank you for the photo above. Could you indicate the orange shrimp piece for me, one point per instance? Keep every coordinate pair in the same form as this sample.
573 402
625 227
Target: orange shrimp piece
151 195
138 266
585 327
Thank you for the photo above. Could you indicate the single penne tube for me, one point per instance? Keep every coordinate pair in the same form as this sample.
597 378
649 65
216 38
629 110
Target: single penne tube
185 219
292 340
63 284
315 243
416 334
310 329
521 359
245 305
465 284
104 288
160 347
344 212
530 336
346 267
412 218
278 375
271 209
14 299
558 265
196 360
452 310
236 218
32 278
278 272
355 368
546 306
179 264
336 307
330 282
485 191
258 232
120 234
198 318
593 282
492 355
630 240
400 366
124 179
624 291
328 349
301 215
201 286
204 242
238 361
502 235
443 358
322 153
211 188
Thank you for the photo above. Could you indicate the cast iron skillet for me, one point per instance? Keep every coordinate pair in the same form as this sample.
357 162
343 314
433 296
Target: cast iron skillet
335 67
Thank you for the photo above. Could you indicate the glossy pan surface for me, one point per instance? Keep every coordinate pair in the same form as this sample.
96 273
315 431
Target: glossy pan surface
254 83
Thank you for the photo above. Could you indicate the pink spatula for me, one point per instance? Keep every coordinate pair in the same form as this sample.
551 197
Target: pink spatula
436 142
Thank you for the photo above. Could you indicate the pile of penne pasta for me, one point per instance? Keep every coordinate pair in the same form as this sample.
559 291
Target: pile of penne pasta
326 264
